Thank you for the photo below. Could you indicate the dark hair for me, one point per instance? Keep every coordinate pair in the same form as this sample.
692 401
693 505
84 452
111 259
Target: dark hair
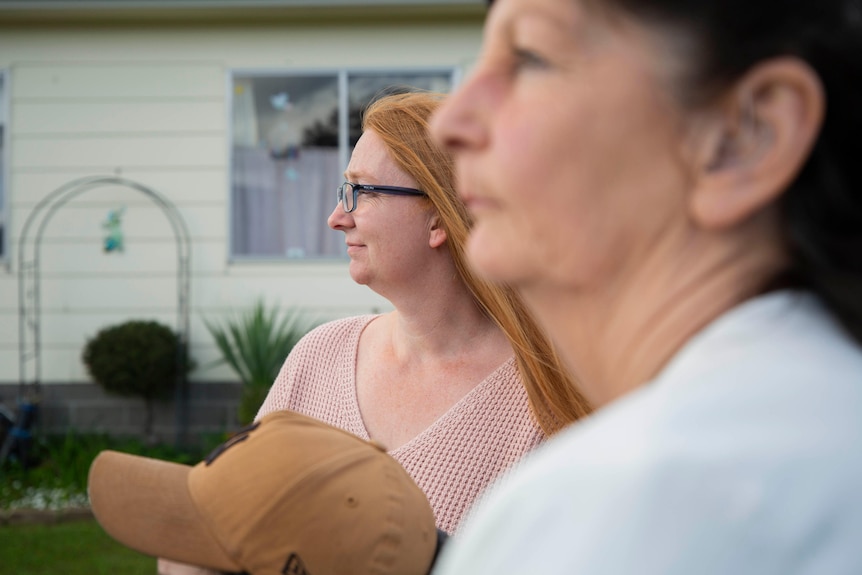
822 208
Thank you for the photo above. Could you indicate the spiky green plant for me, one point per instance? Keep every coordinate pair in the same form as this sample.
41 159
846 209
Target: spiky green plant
255 343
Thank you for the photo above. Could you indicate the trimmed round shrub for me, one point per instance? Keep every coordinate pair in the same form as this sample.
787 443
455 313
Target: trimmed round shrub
135 358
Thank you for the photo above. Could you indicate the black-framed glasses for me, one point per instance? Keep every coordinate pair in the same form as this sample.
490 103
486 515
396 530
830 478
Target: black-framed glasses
348 192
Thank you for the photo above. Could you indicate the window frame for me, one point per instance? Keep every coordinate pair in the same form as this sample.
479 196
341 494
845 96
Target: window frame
342 76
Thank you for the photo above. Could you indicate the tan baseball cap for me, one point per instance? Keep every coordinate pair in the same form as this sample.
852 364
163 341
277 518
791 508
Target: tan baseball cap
288 494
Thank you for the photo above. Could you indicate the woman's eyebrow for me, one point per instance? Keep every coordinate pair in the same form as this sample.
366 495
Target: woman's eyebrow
354 175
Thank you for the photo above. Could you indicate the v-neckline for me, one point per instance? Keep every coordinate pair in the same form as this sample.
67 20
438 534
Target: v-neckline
440 421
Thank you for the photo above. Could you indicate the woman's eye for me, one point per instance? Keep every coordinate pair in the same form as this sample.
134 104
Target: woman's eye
368 194
526 59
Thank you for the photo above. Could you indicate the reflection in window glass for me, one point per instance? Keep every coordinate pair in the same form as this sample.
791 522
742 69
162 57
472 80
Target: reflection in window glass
363 88
284 160
286 156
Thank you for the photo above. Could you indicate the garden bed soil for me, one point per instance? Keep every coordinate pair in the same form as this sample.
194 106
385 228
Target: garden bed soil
12 517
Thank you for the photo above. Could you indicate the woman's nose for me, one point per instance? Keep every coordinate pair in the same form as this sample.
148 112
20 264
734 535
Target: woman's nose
339 219
459 123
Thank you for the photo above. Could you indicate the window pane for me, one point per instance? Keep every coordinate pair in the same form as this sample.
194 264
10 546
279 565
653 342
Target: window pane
285 157
363 88
284 166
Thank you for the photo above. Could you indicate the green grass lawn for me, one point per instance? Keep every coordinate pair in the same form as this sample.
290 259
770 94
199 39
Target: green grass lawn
74 548
57 480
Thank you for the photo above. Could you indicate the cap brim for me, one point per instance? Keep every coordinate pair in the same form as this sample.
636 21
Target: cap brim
145 504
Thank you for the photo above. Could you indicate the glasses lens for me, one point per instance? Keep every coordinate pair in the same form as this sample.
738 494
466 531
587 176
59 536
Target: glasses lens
345 196
349 198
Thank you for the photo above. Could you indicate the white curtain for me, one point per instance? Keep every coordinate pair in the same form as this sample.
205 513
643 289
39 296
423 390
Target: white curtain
280 205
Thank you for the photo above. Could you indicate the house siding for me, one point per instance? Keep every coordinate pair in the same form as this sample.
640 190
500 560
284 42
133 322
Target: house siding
150 103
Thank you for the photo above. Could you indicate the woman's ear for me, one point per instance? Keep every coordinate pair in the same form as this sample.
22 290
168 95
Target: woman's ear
757 142
437 233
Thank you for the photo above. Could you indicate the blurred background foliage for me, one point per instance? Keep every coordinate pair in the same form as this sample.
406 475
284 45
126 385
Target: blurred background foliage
254 343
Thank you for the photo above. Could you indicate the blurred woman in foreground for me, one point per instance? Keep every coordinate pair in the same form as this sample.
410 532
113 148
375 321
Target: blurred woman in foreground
673 189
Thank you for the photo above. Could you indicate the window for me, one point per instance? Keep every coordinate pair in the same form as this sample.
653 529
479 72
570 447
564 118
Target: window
3 163
292 135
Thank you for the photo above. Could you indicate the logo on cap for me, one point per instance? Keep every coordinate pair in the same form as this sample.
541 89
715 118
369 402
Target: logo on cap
240 435
294 566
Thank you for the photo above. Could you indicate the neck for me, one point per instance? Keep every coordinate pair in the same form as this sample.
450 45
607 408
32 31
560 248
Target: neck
618 338
437 316
446 329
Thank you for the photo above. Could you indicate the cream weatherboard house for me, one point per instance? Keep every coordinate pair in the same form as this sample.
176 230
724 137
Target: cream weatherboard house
175 160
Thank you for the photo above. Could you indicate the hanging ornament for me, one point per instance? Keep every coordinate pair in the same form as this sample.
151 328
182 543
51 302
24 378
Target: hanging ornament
114 238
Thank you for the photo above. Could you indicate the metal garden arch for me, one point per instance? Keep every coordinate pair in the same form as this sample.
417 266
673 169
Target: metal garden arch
29 303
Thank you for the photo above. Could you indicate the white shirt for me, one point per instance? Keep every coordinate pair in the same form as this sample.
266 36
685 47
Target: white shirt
744 456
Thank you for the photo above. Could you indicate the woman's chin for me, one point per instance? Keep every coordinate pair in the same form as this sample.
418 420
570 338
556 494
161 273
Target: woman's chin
358 274
491 260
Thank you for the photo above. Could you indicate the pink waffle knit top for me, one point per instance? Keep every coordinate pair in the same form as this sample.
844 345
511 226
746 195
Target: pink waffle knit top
454 459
